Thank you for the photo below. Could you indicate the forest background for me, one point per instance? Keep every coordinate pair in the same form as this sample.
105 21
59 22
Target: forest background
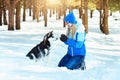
39 8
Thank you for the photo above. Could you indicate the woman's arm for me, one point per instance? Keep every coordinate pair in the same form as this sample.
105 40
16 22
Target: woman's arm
77 42
73 43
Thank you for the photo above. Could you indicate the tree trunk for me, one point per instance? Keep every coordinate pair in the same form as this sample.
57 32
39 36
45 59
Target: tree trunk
64 11
4 12
34 10
86 15
45 13
24 11
81 9
110 13
80 12
18 11
101 20
45 16
104 16
38 10
91 13
60 13
30 7
101 16
11 6
64 18
50 12
105 3
1 12
11 17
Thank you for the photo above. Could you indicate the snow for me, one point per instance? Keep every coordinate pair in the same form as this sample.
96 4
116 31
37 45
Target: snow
102 59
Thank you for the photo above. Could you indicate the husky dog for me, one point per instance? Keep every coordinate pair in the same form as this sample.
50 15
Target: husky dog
39 50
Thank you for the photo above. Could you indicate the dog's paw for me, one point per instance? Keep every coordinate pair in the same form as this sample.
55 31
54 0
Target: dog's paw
30 56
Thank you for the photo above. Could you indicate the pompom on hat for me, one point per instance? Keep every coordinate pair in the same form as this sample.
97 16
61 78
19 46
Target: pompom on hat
70 18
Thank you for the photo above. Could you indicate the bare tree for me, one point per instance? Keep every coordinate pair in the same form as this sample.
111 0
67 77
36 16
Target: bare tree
18 12
11 6
85 15
0 12
104 16
24 9
81 9
105 3
4 13
45 12
64 11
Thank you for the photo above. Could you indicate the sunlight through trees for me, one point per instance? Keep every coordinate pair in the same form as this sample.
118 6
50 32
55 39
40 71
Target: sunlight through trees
40 8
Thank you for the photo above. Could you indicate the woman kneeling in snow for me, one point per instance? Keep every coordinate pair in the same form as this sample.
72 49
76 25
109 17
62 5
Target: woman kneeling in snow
75 39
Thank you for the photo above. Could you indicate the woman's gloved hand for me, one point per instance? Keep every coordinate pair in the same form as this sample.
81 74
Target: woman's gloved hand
63 38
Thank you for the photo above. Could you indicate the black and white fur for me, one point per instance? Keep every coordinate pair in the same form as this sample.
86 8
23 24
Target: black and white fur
39 50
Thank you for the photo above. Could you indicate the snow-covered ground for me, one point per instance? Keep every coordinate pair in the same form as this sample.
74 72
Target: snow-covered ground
102 59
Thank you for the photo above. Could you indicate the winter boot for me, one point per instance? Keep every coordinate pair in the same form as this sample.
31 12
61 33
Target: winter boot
83 67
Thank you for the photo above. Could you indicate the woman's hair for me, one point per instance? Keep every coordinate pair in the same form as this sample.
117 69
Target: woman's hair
73 31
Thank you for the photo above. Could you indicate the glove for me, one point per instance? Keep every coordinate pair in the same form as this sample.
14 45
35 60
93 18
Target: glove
63 38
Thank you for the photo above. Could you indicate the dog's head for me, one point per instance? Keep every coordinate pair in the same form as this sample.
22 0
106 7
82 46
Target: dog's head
48 35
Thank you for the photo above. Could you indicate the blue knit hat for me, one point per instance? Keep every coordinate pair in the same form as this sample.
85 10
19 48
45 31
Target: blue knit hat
70 18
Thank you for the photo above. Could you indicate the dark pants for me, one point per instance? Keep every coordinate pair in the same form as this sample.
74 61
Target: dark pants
71 62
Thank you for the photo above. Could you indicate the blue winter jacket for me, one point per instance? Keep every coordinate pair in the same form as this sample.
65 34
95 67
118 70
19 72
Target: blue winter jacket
76 46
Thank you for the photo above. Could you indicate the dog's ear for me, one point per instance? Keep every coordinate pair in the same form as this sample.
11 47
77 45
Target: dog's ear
48 35
51 33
